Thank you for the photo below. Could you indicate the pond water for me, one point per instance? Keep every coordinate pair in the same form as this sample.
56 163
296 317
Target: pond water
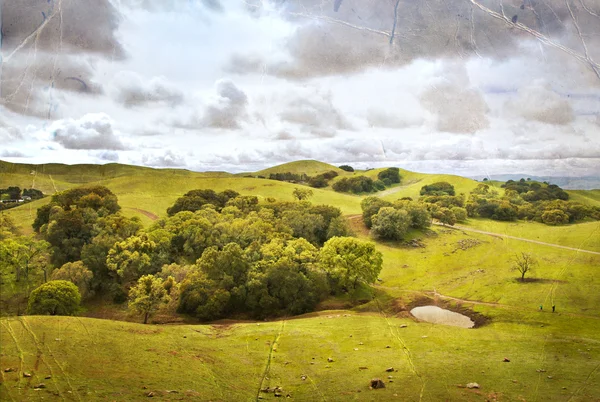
436 315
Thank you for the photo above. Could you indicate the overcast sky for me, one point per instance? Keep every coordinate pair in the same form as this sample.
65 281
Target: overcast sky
471 87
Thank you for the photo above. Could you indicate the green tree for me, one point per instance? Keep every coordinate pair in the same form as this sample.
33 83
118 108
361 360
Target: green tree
390 175
148 295
555 217
302 194
348 261
439 188
132 258
76 273
445 216
25 255
459 213
371 206
523 263
54 298
390 224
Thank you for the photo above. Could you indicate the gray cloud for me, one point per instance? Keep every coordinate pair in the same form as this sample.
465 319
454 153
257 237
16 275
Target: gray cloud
131 90
283 136
92 131
459 107
313 111
12 153
70 26
387 119
9 132
30 86
228 109
359 34
540 103
110 156
43 46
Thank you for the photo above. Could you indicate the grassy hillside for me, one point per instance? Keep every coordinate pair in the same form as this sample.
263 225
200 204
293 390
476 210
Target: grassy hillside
309 167
553 356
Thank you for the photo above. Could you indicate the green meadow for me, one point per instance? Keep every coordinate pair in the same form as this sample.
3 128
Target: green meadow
332 354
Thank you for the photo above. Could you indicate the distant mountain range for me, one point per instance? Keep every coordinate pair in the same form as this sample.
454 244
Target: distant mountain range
568 183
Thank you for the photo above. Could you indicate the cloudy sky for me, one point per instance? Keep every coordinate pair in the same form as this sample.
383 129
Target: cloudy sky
471 87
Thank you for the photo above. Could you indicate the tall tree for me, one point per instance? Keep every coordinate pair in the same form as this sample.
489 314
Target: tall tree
148 295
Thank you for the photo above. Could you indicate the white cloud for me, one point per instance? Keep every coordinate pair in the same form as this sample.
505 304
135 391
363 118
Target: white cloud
92 131
131 89
168 158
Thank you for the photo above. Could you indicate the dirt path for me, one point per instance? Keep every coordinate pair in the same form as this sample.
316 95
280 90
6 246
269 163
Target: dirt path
466 229
145 213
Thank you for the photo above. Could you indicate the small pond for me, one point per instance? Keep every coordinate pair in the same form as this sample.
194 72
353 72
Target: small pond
436 315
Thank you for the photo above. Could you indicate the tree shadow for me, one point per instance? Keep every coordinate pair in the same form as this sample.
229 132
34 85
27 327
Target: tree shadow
538 280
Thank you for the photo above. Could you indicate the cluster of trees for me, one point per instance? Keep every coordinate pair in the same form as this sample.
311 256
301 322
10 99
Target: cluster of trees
196 199
219 255
530 201
364 184
392 221
347 168
440 188
443 204
318 181
13 196
534 191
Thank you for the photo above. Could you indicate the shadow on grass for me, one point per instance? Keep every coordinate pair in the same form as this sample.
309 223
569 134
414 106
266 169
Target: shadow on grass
538 280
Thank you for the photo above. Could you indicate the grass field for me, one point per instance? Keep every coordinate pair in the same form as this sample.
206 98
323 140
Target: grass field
553 356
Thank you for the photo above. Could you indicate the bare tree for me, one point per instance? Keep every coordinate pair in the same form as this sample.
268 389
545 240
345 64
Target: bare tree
523 263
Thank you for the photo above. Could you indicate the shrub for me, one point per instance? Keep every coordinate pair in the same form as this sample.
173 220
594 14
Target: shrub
391 174
54 298
439 188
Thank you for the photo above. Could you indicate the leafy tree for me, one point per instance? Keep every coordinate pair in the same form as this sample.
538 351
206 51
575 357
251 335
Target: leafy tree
523 263
439 188
459 213
371 206
76 273
24 255
148 295
347 168
304 224
390 224
194 200
132 258
555 217
356 185
392 175
54 298
7 227
348 262
445 216
302 193
201 297
419 215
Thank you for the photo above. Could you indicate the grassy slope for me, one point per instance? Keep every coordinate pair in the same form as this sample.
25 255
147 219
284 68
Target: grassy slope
309 167
227 363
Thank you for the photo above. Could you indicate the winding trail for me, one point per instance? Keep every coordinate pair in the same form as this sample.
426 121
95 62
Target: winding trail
466 229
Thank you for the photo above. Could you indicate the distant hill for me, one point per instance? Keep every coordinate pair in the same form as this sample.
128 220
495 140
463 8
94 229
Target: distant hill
568 183
309 167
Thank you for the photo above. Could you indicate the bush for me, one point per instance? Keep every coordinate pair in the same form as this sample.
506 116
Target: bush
555 217
439 188
459 213
392 175
54 298
347 168
356 185
391 224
